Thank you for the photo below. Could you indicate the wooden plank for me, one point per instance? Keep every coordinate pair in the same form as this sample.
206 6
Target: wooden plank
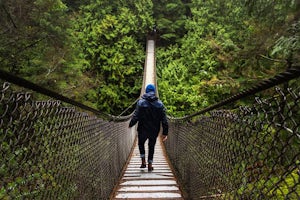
138 183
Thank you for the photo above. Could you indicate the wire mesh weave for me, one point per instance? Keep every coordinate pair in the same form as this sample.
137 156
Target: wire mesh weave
248 153
49 151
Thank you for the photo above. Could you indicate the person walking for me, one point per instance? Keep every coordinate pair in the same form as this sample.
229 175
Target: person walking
150 114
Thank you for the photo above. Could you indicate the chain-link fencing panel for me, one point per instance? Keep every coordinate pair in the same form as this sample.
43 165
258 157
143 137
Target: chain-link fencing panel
248 153
50 151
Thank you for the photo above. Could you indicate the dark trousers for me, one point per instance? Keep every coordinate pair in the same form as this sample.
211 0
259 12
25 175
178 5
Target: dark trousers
151 143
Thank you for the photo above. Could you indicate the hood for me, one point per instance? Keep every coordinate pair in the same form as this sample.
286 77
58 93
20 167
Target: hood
150 96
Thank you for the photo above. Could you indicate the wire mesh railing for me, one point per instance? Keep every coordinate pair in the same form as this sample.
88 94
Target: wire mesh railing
250 152
53 151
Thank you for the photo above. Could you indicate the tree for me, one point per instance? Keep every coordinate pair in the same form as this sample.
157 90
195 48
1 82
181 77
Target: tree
226 43
170 17
110 35
37 43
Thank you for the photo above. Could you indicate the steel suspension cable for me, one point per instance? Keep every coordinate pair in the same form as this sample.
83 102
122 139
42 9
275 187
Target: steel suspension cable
276 80
32 86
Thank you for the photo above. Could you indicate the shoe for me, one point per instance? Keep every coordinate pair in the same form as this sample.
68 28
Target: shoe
143 165
150 168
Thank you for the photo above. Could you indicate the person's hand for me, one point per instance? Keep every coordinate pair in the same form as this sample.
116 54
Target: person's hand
164 138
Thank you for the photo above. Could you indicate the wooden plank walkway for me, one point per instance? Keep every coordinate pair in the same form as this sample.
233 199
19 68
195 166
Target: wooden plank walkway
140 184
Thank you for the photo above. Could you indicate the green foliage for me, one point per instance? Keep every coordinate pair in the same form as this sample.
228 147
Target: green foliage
289 44
111 47
94 51
179 96
222 48
39 45
287 186
28 165
170 17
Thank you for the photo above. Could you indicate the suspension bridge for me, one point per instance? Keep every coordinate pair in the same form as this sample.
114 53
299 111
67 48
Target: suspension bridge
62 149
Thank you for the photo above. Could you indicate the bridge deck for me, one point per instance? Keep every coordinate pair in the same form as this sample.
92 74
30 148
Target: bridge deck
138 183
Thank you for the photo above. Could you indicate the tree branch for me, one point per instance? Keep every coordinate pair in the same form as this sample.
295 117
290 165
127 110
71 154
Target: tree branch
272 59
9 16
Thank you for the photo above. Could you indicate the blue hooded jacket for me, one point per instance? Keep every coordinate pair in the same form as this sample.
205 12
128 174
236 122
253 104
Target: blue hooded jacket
150 113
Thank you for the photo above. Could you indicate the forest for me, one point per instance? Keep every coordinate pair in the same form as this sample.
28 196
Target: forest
93 51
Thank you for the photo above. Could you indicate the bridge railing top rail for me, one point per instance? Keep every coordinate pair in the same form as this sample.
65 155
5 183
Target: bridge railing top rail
34 87
280 78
